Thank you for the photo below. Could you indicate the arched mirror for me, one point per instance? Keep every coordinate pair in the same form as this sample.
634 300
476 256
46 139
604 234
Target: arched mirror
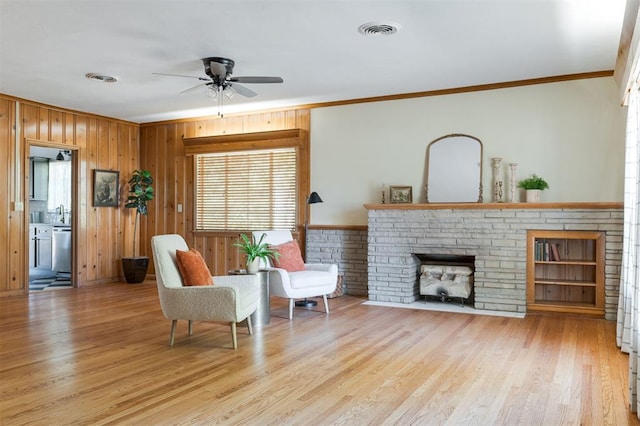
454 170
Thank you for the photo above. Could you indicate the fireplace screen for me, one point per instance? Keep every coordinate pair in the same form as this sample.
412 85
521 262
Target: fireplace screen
447 277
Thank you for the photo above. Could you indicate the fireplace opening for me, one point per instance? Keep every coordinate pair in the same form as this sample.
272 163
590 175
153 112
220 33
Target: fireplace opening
447 277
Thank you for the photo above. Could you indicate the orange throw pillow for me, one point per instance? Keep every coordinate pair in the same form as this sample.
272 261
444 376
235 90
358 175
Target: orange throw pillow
290 258
193 268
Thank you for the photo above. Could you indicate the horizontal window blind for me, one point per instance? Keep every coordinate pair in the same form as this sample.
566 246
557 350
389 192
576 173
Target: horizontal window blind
246 190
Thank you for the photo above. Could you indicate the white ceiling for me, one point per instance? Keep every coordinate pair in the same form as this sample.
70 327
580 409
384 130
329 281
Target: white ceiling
47 47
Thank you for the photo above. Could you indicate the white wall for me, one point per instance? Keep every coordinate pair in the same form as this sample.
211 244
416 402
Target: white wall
571 133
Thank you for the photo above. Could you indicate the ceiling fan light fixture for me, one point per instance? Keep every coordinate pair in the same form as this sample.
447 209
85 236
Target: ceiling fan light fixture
101 77
379 28
229 92
212 92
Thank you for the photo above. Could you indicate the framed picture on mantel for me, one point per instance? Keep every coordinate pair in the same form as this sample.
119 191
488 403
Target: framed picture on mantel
400 194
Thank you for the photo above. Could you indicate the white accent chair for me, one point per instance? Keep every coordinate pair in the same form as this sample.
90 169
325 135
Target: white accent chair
231 299
316 280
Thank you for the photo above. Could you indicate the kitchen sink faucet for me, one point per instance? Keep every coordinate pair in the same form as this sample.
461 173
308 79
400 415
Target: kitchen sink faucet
61 212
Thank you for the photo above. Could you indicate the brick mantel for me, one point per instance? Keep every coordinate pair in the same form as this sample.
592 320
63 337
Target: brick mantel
495 233
498 206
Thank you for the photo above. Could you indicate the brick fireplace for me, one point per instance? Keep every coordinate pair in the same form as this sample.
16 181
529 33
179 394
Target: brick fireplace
493 233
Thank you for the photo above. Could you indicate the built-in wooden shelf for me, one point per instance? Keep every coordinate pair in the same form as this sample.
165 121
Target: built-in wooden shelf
574 283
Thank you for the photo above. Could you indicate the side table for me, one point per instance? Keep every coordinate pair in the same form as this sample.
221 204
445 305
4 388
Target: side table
262 314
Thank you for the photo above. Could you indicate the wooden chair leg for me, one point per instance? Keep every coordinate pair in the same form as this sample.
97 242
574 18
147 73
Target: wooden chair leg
173 331
249 327
234 336
326 304
291 305
190 327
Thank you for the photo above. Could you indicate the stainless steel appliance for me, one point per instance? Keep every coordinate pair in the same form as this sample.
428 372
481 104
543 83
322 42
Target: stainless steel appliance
61 248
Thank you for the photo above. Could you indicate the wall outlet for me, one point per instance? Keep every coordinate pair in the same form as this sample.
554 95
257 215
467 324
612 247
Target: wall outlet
18 206
179 208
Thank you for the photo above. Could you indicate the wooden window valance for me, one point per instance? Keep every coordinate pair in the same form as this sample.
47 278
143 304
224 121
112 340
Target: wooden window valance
246 141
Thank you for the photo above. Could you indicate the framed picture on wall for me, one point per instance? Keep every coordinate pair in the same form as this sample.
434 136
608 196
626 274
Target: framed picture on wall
400 194
105 188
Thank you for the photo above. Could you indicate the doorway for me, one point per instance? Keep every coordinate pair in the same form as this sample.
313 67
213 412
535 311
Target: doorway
50 193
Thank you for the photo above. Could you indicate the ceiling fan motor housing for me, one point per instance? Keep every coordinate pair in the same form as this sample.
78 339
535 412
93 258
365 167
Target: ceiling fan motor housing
218 63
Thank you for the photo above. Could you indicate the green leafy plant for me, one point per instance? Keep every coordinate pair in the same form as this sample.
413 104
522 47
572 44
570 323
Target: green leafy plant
140 193
255 250
533 182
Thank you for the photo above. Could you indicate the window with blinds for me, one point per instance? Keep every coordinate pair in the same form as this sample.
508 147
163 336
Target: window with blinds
246 190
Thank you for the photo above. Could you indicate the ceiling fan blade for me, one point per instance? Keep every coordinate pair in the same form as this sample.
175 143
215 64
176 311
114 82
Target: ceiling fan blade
243 91
256 79
218 68
193 89
180 75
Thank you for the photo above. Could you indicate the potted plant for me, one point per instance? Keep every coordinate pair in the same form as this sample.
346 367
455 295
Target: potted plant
255 252
533 185
140 193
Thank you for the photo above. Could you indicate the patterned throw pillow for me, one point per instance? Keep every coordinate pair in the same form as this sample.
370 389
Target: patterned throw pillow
193 268
290 258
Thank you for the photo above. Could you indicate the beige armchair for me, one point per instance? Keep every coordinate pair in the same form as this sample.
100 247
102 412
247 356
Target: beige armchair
231 299
316 280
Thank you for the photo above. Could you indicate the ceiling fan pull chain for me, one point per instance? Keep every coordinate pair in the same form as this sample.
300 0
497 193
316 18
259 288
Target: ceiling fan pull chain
220 103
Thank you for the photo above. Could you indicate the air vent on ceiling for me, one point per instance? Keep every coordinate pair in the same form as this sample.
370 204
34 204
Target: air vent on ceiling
379 28
101 77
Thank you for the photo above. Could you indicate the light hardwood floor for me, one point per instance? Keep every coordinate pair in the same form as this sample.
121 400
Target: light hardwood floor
99 355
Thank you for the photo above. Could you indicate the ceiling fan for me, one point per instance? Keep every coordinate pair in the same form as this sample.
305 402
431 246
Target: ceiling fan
220 81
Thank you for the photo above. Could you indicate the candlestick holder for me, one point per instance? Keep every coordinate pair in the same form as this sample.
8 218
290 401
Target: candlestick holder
512 182
497 181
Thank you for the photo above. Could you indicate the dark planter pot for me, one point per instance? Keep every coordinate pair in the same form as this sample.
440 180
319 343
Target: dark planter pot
135 268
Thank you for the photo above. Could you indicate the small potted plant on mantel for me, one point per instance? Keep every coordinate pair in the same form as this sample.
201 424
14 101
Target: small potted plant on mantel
255 252
533 186
140 193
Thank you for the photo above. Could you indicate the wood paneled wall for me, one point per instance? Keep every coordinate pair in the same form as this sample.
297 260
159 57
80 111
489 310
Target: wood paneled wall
102 235
162 153
12 231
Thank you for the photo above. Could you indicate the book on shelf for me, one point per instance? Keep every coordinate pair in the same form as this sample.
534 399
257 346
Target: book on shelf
538 251
546 252
542 253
